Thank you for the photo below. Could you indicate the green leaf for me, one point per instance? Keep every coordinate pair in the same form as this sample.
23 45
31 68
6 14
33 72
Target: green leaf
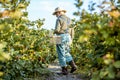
111 73
116 64
83 38
103 74
95 78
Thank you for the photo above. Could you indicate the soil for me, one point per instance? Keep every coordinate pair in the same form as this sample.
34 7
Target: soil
55 68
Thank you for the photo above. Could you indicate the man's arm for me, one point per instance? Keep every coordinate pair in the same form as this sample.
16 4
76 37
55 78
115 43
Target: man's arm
57 26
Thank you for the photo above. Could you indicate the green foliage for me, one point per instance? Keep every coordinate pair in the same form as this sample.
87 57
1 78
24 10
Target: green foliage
96 44
26 50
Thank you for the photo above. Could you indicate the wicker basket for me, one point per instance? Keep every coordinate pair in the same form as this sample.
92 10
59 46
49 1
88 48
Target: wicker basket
55 40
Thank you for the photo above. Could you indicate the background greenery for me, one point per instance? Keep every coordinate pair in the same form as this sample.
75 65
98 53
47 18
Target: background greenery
97 40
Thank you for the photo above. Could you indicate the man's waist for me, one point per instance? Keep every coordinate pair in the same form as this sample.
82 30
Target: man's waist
62 32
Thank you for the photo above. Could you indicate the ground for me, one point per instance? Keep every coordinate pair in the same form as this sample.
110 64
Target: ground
55 68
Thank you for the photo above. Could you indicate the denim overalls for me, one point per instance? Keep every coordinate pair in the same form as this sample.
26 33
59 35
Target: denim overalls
63 49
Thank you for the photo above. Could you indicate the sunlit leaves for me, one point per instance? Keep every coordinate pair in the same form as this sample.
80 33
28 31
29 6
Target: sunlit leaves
5 13
114 14
89 31
1 26
27 44
4 56
105 2
16 14
4 1
83 38
21 6
99 40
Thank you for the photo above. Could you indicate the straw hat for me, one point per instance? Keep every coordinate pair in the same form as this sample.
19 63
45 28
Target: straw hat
59 10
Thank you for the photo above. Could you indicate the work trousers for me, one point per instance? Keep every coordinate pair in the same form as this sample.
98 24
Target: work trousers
63 50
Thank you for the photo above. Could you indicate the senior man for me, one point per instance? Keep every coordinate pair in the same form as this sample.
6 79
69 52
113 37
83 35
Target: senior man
63 49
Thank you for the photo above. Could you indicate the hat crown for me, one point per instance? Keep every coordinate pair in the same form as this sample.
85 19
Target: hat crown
58 9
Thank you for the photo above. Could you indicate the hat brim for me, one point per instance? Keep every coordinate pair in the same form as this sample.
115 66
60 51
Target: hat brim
59 11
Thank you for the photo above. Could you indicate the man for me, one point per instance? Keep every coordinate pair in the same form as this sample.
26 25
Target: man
63 49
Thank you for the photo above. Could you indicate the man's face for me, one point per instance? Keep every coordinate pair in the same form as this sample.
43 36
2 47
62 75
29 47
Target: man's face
57 14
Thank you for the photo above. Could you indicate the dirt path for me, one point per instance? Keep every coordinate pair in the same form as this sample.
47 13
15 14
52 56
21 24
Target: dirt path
56 69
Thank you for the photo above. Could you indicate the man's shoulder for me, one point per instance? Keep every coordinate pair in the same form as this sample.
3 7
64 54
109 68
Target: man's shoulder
64 17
